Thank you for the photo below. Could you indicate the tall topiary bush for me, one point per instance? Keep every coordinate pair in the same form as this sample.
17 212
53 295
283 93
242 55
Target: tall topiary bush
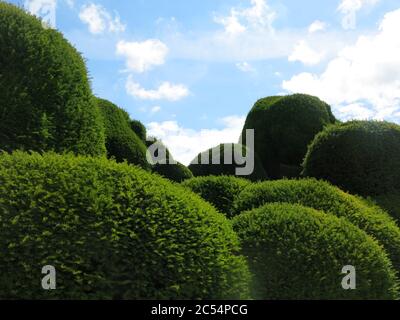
121 142
45 95
112 231
362 157
220 191
139 129
296 252
325 197
283 127
217 164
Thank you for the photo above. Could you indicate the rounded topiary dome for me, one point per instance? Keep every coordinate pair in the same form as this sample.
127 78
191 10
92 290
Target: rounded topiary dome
139 129
325 197
45 96
362 157
112 231
295 252
121 142
220 191
283 128
213 162
173 171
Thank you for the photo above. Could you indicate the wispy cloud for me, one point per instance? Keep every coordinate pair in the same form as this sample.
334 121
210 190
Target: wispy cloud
99 20
304 53
349 9
142 56
364 75
186 143
316 26
166 91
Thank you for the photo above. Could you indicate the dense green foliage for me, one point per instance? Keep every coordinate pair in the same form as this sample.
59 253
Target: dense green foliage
139 129
176 171
111 231
295 252
362 157
121 142
391 203
221 191
218 165
325 197
283 128
45 96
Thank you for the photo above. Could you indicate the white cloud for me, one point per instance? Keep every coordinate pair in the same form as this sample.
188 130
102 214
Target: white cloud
349 9
365 73
99 20
185 143
143 56
45 9
257 17
316 26
155 109
166 91
304 53
245 67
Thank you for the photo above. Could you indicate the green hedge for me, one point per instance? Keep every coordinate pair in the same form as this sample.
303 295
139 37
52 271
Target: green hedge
361 157
121 142
46 101
283 127
112 231
216 169
325 197
139 129
221 191
176 172
296 252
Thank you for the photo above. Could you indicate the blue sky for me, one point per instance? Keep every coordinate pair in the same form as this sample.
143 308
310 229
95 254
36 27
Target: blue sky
191 70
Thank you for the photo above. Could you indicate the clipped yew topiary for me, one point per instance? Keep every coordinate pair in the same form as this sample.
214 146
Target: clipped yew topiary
173 171
121 142
295 252
45 96
283 128
220 191
112 231
214 162
139 129
323 196
362 157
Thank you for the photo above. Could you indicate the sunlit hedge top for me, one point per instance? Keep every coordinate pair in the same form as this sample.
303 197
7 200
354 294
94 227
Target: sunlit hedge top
45 95
112 231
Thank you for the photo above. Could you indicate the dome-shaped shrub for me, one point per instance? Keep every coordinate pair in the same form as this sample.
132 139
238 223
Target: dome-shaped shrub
221 191
283 128
295 252
121 142
111 231
362 157
219 165
164 164
173 171
139 129
45 96
325 197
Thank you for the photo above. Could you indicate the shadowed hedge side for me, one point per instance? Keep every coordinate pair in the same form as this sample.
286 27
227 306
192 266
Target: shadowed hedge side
296 252
325 197
220 191
121 142
283 128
